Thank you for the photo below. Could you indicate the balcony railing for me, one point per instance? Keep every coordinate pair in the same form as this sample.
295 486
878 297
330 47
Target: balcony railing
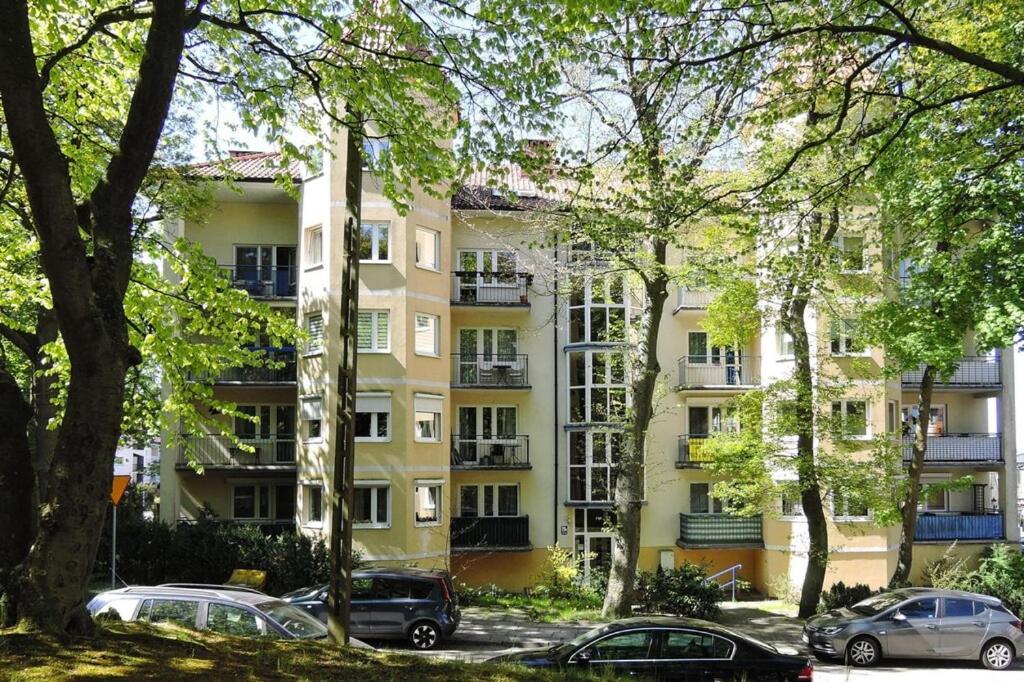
691 450
215 451
719 530
971 372
284 374
494 370
960 526
694 299
489 533
491 288
958 448
496 452
264 281
705 371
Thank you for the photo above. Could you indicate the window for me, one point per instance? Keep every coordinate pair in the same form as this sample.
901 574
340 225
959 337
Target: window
177 611
791 505
593 456
597 386
597 309
314 499
489 500
372 505
428 248
373 149
374 242
628 646
785 344
374 331
250 502
845 337
427 418
231 620
891 410
847 507
373 417
428 502
124 608
922 609
850 252
426 334
312 418
315 329
688 645
851 418
958 608
314 240
933 497
701 501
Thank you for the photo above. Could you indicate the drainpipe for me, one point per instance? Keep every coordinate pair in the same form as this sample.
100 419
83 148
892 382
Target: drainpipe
557 359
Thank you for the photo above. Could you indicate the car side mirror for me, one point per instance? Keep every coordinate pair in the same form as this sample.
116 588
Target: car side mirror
898 617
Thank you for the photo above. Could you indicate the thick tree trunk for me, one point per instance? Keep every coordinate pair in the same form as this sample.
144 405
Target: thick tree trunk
16 490
908 512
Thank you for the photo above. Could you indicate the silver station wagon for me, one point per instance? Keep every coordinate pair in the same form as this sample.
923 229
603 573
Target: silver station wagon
919 623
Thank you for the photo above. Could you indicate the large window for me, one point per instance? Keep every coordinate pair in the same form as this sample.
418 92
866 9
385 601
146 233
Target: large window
846 338
314 241
273 439
597 386
427 500
597 310
374 331
315 330
593 456
427 341
372 505
312 412
428 248
850 418
427 418
491 499
374 242
701 501
373 417
494 265
250 501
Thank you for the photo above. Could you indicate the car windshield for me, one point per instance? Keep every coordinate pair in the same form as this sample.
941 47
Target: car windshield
293 619
582 639
872 606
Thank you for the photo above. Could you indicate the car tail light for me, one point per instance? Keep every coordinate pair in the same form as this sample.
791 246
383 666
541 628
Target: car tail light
1018 624
807 674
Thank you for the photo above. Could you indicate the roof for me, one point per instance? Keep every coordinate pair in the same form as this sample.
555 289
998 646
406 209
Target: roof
505 188
245 597
246 166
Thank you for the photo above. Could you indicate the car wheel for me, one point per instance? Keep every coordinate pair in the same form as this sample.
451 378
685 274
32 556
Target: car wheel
997 655
863 652
424 635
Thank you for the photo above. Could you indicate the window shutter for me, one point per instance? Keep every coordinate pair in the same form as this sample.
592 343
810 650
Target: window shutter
425 402
312 409
373 402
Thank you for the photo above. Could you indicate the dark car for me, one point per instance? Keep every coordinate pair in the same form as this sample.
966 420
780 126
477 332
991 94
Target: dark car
402 603
665 648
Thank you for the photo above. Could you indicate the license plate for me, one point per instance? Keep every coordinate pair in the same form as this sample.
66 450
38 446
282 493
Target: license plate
805 638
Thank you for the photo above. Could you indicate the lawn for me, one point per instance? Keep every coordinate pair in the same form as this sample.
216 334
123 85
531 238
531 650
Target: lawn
543 609
133 651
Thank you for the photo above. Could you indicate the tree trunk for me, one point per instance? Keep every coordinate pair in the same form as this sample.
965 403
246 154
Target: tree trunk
908 512
16 490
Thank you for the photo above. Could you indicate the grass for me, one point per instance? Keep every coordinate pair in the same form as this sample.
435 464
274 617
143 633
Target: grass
543 609
132 651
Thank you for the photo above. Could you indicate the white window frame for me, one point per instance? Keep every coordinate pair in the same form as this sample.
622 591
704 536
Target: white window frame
606 305
374 504
893 422
784 340
867 417
304 422
307 504
319 348
375 240
259 489
428 403
437 249
436 323
839 331
313 259
589 386
798 510
481 511
846 517
374 418
375 318
712 500
840 245
922 505
608 466
439 508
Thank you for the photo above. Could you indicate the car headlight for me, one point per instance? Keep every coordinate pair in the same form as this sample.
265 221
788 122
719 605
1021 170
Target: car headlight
833 629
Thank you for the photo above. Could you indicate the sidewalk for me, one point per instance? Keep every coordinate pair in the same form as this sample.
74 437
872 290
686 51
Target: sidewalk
512 628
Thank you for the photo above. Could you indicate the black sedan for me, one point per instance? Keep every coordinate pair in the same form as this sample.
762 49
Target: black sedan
668 649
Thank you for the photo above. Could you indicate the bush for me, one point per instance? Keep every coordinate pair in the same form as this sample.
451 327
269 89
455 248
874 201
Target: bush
1001 574
561 577
780 587
841 595
949 572
682 591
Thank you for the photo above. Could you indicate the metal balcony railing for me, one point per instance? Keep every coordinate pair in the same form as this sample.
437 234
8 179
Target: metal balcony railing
497 452
971 372
958 526
707 371
490 370
491 288
693 299
264 281
483 533
691 450
221 452
285 374
719 530
958 448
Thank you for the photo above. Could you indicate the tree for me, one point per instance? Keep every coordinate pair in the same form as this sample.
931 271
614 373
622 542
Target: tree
86 93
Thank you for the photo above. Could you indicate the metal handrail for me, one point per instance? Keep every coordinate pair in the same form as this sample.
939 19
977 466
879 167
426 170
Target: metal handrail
732 581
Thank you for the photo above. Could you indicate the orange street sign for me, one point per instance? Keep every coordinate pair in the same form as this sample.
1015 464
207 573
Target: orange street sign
117 490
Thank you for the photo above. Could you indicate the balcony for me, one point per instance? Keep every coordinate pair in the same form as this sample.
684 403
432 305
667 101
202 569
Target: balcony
693 299
958 449
691 451
491 533
971 372
263 281
490 371
719 530
490 452
263 375
506 289
958 526
716 373
272 453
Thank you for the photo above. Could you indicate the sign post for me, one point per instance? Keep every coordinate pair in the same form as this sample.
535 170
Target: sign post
117 489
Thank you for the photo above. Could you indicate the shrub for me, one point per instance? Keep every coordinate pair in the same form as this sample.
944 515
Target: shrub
1001 574
561 577
780 587
949 572
682 591
841 595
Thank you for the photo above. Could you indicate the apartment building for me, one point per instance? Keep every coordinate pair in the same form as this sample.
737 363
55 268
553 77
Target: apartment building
492 379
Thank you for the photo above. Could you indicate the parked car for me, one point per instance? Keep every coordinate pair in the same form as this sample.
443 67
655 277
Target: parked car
224 609
402 603
919 623
668 649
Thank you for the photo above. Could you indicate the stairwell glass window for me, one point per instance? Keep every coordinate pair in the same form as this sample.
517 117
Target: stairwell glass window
597 386
372 505
846 338
374 331
428 248
375 242
427 341
315 330
593 461
427 500
311 412
850 419
850 252
373 418
314 241
597 310
427 418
